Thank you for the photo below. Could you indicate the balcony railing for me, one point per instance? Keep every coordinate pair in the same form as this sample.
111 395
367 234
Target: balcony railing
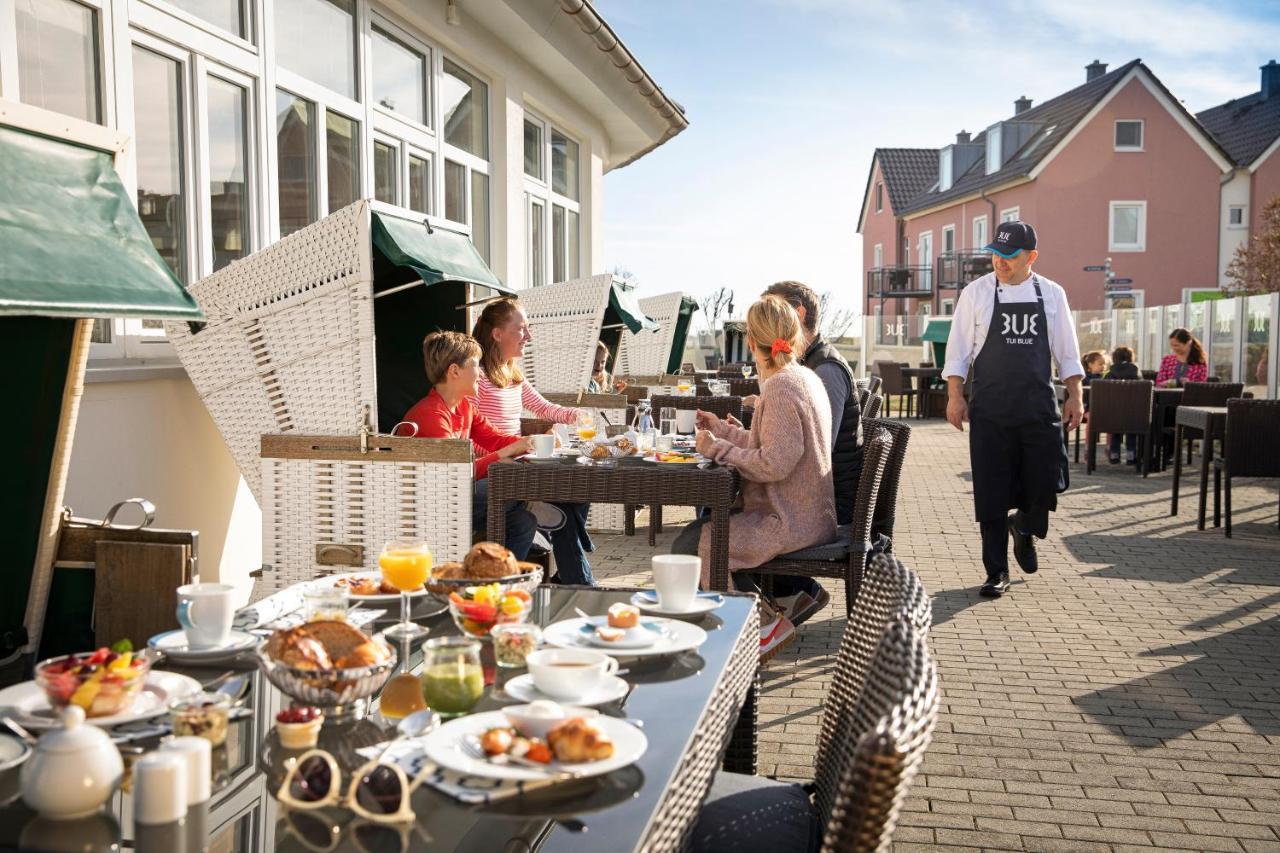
900 282
956 269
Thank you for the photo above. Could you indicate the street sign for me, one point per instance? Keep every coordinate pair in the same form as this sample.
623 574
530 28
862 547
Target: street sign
1121 281
1123 288
1095 268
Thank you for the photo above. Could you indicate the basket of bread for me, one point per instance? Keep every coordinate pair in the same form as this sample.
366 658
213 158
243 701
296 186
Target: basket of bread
622 447
486 563
327 663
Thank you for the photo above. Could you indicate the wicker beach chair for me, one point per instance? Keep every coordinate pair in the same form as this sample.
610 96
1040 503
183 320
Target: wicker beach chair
656 352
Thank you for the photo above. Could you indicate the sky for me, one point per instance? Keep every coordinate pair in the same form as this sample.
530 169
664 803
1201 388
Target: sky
788 99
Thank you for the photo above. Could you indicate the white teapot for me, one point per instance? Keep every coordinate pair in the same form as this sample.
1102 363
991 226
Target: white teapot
73 771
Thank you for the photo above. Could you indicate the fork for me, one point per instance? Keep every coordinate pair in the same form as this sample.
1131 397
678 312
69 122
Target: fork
472 749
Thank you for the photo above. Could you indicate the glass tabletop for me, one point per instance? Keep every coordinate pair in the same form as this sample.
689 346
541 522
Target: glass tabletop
667 698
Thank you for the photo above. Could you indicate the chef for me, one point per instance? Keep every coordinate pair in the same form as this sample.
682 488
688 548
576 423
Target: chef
1009 327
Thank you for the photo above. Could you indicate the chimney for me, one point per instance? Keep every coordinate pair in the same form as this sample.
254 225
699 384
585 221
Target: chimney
1094 70
1021 105
1270 79
962 138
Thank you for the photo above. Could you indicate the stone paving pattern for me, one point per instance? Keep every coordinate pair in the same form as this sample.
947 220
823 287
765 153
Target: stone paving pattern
1125 697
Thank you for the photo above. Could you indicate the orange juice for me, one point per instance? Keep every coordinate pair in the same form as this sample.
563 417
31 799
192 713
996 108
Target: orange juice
405 569
586 433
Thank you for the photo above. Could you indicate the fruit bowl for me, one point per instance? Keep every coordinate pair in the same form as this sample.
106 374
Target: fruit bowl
102 682
477 608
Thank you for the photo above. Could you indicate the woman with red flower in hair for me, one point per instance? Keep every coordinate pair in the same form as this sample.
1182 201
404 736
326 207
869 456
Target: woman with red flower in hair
788 501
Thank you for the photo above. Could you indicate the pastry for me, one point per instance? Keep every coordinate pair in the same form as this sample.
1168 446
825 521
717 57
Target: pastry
445 571
600 451
361 586
489 561
577 740
623 616
324 645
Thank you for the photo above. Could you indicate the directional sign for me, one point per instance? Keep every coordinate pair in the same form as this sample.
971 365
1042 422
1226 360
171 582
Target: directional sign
1095 268
1121 281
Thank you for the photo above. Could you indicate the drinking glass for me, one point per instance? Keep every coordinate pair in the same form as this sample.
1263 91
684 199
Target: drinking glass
586 425
406 566
667 420
452 680
747 370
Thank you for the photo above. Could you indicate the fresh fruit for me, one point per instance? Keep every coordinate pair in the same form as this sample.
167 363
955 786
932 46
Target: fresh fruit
299 714
102 682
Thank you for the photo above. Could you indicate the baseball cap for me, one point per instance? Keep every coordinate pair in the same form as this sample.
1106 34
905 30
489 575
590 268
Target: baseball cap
1011 238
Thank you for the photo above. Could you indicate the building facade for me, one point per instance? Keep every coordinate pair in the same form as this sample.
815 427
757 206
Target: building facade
253 118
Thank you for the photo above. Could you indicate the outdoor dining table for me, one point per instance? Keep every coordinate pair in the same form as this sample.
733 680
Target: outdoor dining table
1212 422
632 483
697 710
923 376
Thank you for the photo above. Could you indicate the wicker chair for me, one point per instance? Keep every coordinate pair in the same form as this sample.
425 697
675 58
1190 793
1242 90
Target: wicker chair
894 383
721 406
887 499
871 407
846 557
874 383
1249 448
1119 406
864 779
1203 394
744 387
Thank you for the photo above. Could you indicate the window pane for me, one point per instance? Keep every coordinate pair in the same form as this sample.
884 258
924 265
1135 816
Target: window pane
340 147
571 267
533 150
1257 333
327 52
564 165
1129 134
455 191
227 14
480 212
419 184
465 103
295 162
1236 216
58 57
1125 230
399 77
228 171
157 94
557 243
536 268
384 173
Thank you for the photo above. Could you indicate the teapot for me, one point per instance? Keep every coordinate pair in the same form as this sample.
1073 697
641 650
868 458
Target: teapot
74 770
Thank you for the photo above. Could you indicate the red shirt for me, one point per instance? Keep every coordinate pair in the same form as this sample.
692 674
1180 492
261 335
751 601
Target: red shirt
435 420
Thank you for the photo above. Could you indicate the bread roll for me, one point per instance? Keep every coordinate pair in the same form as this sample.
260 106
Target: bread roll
489 561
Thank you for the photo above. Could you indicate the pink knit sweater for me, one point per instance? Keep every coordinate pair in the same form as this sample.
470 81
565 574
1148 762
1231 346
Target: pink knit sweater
785 460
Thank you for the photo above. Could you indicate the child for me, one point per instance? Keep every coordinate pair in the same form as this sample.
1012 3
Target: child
1095 364
1122 367
452 363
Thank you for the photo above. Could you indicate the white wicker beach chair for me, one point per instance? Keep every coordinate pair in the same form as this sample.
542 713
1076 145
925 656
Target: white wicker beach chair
646 353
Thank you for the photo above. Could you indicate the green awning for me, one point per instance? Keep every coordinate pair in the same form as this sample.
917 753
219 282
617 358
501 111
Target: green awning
681 335
436 254
937 331
626 310
71 243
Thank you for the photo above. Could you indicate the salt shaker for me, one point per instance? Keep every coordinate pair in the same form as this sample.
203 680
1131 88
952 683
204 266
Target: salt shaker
159 788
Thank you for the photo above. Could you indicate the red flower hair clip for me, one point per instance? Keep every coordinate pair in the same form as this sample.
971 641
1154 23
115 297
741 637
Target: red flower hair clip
779 345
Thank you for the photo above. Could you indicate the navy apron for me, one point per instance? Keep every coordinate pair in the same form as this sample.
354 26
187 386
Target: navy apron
1016 448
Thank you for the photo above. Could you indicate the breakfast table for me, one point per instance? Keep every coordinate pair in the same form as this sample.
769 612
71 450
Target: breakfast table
696 710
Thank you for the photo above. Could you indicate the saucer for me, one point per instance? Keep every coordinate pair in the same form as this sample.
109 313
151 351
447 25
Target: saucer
611 688
641 636
704 602
174 645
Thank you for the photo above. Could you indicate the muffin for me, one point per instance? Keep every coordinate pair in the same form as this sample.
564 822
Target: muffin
489 561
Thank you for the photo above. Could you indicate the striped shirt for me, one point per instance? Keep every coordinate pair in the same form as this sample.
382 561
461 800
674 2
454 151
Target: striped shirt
503 407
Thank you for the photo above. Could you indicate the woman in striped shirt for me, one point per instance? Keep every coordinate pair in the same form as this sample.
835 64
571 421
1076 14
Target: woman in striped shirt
503 331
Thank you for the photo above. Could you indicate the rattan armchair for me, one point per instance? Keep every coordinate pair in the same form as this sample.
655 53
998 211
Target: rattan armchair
871 407
1203 394
1119 406
895 384
874 383
1249 448
887 499
846 557
720 406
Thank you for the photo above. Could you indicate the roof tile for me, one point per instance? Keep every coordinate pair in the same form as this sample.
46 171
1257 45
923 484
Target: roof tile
1244 126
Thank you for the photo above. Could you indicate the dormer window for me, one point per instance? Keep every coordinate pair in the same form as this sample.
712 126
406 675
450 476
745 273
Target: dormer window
995 136
945 159
879 197
1129 133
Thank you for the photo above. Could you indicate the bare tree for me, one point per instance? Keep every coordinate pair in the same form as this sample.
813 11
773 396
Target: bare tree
715 305
833 324
1256 265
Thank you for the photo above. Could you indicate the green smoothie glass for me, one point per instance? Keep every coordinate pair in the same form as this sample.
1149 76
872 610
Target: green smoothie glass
452 680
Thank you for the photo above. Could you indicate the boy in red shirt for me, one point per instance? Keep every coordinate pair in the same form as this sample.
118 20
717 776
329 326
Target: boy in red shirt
452 363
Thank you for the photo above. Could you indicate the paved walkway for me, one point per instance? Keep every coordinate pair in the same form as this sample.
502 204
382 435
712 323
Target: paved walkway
1126 697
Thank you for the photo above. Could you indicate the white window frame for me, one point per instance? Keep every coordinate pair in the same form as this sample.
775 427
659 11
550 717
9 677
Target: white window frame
979 242
879 196
948 307
540 190
390 121
948 229
1243 224
877 256
400 190
1009 214
1141 244
1142 135
470 161
924 249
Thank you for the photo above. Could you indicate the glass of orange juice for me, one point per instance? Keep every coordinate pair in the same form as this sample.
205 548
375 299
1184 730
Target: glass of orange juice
406 566
586 425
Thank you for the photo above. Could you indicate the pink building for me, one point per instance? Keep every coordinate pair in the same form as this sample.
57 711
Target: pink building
1115 168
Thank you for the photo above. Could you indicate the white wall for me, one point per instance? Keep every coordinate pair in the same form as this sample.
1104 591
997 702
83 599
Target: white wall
1234 191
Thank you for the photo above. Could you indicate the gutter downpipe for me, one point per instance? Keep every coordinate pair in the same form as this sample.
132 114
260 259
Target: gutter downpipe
982 193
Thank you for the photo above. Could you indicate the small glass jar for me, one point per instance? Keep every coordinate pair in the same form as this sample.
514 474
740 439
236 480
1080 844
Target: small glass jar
203 715
513 642
452 680
324 602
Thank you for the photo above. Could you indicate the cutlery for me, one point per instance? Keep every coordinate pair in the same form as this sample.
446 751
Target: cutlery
472 749
13 726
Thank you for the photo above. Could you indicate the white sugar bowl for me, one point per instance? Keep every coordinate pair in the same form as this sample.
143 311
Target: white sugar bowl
74 770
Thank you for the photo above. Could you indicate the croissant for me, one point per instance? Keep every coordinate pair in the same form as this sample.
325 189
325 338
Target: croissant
577 740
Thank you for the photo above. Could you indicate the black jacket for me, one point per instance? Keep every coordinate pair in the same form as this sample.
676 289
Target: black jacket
846 449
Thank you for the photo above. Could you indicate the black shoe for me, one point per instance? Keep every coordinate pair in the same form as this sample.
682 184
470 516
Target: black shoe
1024 549
995 586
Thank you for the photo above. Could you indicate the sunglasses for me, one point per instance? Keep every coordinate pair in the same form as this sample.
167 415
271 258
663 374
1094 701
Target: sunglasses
378 792
318 834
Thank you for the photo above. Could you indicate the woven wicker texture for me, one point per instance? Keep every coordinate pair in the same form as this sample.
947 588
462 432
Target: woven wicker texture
288 344
312 502
564 322
889 591
1119 406
720 406
1210 393
897 710
871 407
1249 447
649 352
609 410
887 499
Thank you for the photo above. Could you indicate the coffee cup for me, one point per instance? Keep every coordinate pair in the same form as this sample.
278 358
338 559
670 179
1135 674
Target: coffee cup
544 445
205 612
686 421
568 673
675 578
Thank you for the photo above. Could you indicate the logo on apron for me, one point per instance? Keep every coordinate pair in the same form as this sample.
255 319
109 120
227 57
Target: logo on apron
1017 328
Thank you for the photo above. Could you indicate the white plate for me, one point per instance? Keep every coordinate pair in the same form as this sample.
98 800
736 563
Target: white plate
645 634
13 751
529 457
680 637
330 580
697 459
610 689
174 645
704 602
444 746
32 710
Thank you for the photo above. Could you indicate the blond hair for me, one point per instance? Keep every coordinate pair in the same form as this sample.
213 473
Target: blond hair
442 349
497 313
770 320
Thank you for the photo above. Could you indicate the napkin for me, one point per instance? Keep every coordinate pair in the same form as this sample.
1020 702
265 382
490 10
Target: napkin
268 609
651 597
411 757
